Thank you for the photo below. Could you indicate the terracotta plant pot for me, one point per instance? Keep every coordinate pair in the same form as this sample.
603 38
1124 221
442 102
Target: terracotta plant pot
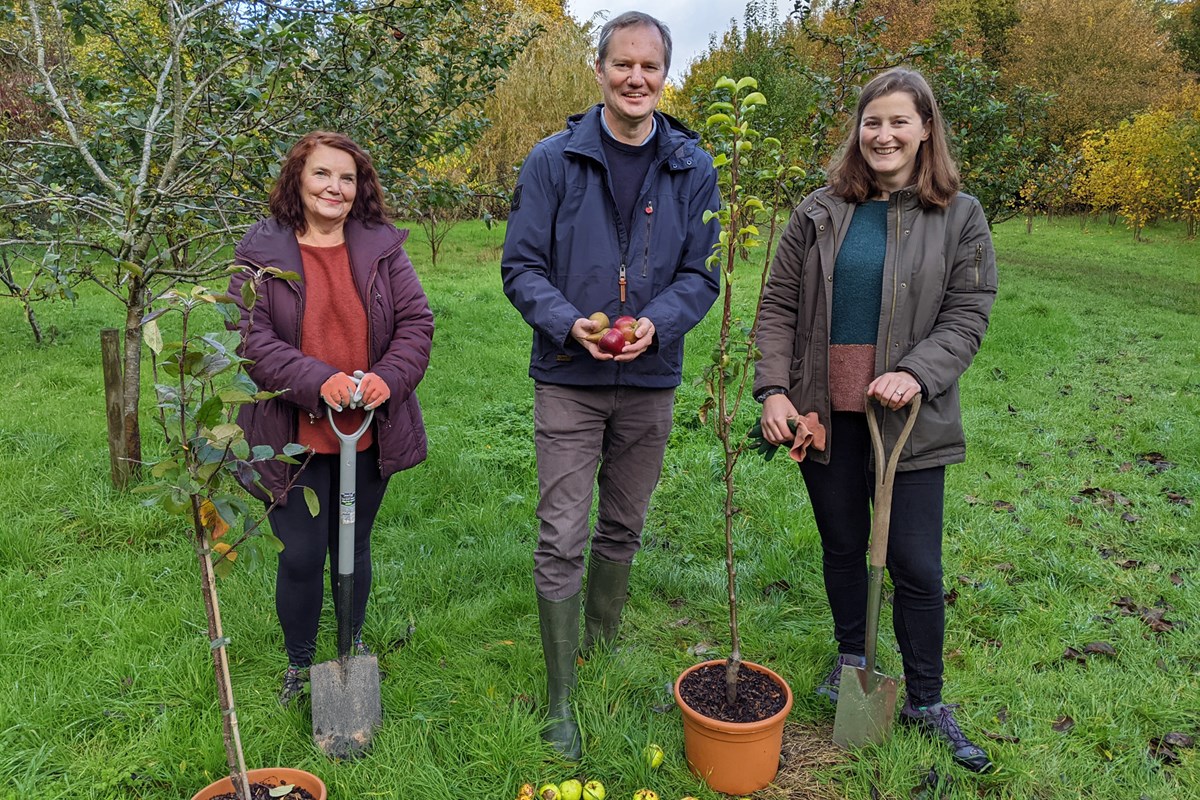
273 776
733 757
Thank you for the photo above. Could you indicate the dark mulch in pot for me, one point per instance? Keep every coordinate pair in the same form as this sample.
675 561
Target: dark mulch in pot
262 791
758 697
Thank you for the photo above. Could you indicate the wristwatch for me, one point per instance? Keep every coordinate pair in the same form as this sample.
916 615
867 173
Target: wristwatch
770 390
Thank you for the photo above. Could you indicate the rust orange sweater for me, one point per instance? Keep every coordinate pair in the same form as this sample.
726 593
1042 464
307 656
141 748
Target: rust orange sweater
334 329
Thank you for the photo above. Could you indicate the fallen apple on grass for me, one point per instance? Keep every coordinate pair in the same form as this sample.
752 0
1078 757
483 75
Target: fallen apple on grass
570 790
593 790
645 794
549 791
653 755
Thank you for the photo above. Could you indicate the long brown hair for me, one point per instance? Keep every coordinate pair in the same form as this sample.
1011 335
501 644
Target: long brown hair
286 205
935 174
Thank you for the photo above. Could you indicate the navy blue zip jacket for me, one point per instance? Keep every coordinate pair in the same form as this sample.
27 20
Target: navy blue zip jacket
566 243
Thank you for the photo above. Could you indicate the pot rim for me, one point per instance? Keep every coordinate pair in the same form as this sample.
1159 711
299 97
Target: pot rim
744 727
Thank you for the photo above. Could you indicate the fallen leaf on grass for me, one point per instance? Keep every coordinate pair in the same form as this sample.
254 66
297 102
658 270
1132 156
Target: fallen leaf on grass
1071 654
1074 521
950 597
1129 563
1164 747
1129 518
1153 617
967 580
1176 497
1003 505
1004 567
675 602
931 786
776 587
699 649
682 622
1002 714
1106 498
1176 579
1003 737
1099 649
1155 460
972 500
1063 724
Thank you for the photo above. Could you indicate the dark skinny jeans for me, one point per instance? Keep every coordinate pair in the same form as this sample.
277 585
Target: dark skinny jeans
841 493
300 580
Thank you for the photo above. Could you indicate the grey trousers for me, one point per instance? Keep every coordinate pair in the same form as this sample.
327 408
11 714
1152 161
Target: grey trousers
621 430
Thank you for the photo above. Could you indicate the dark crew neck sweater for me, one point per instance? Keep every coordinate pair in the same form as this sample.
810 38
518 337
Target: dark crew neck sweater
627 167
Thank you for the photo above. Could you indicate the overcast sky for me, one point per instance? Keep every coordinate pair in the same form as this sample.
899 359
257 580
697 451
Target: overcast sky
691 21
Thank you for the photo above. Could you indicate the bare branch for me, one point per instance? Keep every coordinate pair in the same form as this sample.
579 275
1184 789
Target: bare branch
59 107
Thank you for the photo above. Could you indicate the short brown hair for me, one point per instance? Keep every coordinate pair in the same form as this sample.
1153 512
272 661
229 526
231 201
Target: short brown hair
286 205
935 175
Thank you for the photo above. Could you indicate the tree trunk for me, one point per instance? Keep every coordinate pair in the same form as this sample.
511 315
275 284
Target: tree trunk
131 389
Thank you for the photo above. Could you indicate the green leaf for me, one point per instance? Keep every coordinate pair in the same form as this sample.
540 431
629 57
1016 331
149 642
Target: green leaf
271 540
718 119
312 501
726 83
152 336
293 449
209 414
249 295
720 105
720 160
746 82
754 99
707 215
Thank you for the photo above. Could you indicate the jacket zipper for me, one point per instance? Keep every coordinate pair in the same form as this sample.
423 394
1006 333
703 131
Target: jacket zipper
978 261
887 356
649 214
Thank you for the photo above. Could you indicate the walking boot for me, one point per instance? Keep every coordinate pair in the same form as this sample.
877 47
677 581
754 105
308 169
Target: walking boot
559 621
607 590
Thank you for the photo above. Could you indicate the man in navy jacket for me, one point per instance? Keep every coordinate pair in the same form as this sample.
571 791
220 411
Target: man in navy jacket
607 215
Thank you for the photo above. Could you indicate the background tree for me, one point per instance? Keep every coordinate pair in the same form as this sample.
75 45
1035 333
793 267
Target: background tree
1103 60
1183 29
157 162
772 51
552 79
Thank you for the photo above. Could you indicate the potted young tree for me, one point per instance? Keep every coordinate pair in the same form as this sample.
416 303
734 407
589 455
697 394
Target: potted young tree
200 383
733 711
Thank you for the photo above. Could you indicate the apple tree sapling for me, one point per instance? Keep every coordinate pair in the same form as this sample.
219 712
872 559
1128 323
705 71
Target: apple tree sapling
749 224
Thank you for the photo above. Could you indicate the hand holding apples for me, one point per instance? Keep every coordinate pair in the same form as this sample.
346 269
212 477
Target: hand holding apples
639 334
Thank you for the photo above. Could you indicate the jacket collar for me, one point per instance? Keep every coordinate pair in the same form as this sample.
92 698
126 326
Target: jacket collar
270 243
675 141
838 207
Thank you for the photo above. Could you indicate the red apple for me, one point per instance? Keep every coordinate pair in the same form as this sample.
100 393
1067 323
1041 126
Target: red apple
626 325
612 342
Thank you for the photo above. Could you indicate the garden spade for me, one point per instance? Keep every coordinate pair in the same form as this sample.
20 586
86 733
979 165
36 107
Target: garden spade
346 707
866 697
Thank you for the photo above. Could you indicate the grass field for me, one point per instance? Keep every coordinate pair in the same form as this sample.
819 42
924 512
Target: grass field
1073 524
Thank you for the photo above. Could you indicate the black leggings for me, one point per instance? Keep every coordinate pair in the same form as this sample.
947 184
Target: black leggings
841 493
300 581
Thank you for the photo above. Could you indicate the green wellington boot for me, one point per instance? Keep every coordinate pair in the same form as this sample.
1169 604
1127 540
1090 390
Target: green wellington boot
559 620
607 590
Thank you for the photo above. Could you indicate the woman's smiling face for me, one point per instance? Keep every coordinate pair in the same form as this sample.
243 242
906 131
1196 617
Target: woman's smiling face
889 138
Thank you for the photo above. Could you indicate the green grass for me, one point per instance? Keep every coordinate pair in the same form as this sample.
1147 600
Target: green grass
1091 364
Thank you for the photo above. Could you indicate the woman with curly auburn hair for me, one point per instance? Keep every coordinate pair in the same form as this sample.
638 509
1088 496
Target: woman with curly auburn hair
357 307
881 287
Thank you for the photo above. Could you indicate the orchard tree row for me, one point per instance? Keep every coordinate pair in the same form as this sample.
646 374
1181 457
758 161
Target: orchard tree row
138 138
